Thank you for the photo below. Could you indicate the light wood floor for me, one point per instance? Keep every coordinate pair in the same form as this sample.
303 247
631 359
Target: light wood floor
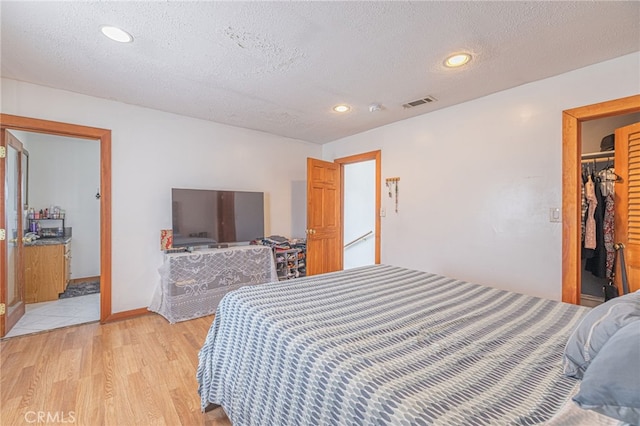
134 372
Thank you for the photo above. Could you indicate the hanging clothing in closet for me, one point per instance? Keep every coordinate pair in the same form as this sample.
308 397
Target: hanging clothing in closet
598 220
590 241
597 254
608 229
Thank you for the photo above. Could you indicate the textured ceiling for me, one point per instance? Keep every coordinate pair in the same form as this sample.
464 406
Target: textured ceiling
280 67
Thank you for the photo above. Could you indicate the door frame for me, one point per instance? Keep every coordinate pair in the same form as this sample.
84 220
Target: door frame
571 203
367 156
13 122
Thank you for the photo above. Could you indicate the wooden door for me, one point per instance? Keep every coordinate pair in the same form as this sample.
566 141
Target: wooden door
324 228
627 202
12 305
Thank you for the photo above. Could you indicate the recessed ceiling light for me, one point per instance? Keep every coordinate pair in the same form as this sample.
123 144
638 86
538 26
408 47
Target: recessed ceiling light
457 60
116 34
341 108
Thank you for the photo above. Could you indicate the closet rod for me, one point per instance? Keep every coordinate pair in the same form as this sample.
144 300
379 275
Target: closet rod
597 160
602 154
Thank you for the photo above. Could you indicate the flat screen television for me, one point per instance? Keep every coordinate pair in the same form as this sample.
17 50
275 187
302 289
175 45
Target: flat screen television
215 217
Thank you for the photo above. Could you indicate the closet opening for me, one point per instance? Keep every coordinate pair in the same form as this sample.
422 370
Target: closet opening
597 236
578 123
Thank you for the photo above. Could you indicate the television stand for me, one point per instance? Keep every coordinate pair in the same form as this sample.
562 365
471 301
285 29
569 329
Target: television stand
192 284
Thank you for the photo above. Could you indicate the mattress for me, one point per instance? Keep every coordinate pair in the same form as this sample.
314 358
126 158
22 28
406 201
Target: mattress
385 345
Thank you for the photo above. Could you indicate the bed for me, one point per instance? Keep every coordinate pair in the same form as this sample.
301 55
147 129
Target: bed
388 345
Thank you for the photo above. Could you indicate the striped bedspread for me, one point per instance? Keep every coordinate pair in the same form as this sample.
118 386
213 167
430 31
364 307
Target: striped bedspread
384 345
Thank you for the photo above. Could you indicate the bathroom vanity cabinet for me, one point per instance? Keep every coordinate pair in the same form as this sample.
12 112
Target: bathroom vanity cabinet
47 269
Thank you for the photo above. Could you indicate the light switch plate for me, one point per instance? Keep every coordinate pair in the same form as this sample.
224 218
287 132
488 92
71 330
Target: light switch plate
554 214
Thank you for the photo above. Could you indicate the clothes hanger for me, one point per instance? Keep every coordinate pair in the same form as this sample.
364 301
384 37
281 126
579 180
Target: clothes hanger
610 164
594 172
617 177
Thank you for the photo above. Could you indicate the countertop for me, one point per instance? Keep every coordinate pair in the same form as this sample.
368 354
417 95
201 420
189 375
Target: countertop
48 241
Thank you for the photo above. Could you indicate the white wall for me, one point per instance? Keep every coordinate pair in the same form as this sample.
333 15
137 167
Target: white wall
593 131
152 152
65 172
478 179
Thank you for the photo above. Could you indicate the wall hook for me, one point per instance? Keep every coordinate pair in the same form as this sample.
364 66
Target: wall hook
393 182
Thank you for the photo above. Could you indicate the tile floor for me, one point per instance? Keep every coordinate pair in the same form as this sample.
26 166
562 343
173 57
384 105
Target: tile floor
56 314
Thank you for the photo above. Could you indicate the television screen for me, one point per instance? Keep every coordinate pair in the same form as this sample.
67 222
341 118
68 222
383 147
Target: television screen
209 217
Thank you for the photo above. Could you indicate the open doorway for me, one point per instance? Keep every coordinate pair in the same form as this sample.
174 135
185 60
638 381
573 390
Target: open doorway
571 193
359 214
361 209
103 136
61 216
599 166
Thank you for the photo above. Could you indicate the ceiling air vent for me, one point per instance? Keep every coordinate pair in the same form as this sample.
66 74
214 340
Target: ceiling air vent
427 100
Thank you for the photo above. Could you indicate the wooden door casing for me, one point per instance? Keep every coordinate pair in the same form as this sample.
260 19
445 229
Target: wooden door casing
571 150
324 227
367 156
28 124
627 203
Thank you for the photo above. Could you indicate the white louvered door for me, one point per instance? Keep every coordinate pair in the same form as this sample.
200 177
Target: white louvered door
627 202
